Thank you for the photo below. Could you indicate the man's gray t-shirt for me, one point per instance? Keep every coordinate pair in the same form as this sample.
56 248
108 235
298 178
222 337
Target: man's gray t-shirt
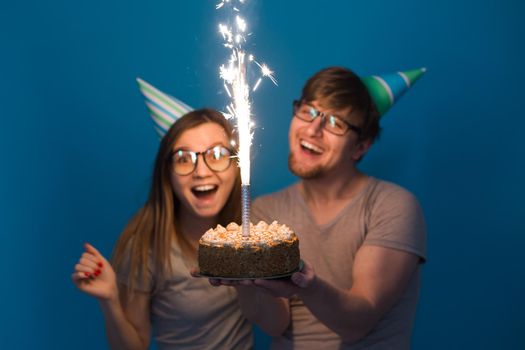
382 214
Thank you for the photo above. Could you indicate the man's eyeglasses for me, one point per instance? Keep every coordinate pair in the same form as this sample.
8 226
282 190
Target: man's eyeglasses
217 158
331 123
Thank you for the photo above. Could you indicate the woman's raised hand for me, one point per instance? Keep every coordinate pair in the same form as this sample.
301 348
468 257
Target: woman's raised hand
94 275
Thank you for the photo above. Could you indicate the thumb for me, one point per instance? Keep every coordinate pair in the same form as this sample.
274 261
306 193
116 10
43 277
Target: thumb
299 279
195 272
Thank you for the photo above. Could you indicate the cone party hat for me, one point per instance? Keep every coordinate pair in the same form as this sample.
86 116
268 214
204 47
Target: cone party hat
386 89
163 108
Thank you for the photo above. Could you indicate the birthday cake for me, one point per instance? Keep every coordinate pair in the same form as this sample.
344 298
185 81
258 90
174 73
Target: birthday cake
269 250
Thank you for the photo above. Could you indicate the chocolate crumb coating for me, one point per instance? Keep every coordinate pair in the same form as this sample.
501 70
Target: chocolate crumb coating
270 250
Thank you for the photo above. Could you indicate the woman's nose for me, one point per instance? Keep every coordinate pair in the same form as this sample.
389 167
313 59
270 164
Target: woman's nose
201 168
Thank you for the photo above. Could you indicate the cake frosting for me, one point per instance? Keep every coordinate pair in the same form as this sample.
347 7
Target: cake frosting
269 250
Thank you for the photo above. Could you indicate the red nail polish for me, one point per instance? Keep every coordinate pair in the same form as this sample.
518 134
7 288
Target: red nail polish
97 272
100 265
87 274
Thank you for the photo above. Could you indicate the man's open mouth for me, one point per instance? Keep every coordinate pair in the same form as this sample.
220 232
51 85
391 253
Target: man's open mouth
311 148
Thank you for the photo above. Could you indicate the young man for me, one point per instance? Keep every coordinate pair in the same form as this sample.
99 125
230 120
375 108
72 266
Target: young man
362 240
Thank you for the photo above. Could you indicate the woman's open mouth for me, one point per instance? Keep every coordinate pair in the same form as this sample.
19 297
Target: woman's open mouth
204 191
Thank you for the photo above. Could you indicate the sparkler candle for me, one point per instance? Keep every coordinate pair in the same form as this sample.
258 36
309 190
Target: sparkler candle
236 84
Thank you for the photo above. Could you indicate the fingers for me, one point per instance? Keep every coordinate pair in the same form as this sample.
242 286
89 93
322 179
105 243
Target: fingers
232 283
89 261
215 282
87 269
300 280
93 254
194 272
90 249
304 277
79 276
307 268
89 265
220 282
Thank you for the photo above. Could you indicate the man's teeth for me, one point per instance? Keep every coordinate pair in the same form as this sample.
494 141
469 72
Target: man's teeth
204 188
311 147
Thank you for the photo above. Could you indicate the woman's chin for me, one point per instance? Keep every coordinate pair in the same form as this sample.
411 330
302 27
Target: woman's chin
207 212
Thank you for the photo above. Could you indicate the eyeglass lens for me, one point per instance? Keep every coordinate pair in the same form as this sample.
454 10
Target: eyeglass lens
217 158
331 123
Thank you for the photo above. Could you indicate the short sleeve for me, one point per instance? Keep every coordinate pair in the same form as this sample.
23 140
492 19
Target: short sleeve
396 221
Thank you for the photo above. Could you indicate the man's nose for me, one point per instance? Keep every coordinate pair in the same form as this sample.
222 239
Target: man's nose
316 126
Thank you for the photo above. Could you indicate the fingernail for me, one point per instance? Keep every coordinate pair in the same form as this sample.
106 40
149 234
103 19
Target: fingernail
87 274
100 265
97 272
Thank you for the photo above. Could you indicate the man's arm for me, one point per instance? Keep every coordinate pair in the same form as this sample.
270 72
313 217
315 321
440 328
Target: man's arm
380 276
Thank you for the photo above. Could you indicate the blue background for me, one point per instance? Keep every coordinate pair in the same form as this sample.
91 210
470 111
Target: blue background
77 146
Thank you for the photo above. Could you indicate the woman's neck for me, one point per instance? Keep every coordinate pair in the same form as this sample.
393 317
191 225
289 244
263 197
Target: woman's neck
194 226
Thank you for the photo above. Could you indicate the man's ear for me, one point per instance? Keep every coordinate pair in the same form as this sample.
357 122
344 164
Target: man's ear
361 149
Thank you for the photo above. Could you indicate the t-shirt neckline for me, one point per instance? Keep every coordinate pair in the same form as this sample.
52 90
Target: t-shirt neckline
341 213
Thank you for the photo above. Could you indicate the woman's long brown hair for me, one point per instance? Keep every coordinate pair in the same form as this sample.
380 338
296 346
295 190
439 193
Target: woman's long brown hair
151 231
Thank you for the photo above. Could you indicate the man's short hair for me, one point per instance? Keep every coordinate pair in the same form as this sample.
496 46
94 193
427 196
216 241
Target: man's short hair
340 88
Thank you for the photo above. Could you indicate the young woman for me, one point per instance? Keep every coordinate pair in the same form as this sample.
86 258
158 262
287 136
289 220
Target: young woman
148 287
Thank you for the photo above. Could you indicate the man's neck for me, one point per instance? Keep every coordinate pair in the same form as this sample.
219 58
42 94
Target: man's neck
332 187
328 195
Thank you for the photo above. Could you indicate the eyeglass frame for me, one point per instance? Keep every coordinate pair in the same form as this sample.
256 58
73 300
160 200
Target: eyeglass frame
195 155
297 104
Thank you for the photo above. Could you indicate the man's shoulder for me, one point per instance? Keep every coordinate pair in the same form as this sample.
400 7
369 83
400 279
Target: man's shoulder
387 189
384 196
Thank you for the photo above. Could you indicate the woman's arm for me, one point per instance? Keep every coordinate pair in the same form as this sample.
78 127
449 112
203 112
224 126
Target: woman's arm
127 320
126 316
266 309
270 313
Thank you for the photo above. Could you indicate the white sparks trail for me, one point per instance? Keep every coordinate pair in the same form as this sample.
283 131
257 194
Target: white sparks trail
234 74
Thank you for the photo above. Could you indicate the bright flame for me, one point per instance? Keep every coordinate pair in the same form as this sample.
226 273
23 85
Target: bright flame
234 75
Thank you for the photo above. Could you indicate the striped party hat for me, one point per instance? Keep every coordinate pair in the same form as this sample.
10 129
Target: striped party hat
386 89
163 108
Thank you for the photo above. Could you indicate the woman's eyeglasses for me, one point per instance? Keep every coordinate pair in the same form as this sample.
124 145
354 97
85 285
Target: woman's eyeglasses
216 158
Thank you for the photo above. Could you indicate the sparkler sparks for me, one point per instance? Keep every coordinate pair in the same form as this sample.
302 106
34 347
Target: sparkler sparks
234 75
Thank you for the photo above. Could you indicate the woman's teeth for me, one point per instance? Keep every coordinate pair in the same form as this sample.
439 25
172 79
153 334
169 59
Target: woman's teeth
203 190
